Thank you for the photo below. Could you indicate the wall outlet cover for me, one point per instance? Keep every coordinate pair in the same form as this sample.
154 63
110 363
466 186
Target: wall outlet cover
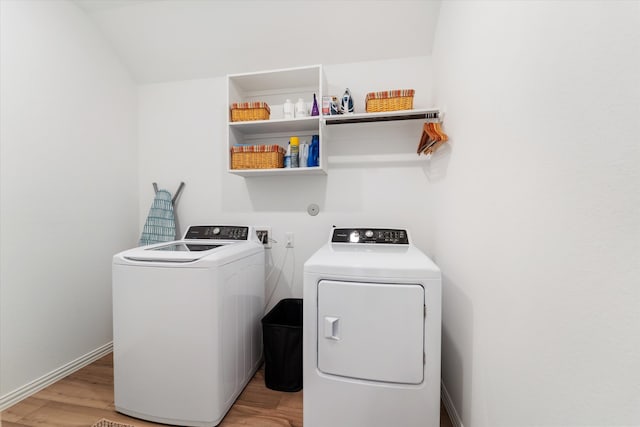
264 235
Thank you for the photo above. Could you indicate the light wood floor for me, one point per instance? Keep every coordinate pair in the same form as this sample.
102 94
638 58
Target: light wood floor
86 396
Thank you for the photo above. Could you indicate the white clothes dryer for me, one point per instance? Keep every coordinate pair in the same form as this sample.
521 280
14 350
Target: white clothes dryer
371 343
186 324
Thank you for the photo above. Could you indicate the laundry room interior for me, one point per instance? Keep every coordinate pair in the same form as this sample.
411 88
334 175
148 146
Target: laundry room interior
530 210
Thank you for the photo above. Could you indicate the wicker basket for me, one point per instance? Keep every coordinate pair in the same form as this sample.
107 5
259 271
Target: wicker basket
257 157
244 111
108 423
391 100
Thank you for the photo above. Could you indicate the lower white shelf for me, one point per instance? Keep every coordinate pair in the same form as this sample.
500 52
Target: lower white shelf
316 170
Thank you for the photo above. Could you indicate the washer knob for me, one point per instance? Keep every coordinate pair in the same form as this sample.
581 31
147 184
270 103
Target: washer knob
368 233
355 237
216 230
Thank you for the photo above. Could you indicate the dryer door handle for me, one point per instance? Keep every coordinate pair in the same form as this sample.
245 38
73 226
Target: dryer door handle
331 328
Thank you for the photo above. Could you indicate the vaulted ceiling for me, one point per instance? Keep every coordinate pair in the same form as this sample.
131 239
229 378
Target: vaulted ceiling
165 40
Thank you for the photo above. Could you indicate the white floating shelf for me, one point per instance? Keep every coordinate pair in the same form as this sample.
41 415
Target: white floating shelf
279 171
385 116
255 127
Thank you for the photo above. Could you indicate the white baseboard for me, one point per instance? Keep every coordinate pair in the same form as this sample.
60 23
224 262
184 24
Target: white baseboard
46 380
448 405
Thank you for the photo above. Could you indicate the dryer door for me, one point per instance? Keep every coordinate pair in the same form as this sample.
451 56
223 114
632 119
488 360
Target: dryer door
371 331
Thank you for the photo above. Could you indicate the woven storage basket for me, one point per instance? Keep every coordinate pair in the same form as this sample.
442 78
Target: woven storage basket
391 100
257 157
107 423
244 111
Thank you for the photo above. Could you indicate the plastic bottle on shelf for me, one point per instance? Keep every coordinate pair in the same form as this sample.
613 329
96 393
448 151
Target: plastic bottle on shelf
294 143
303 154
287 157
313 159
314 110
301 108
288 109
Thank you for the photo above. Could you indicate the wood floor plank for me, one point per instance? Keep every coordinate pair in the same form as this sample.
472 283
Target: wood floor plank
52 415
21 409
55 414
95 374
86 396
79 392
291 401
11 424
259 396
256 416
250 416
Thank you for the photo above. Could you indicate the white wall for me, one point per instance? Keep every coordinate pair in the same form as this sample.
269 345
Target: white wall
182 137
175 40
537 220
68 184
532 210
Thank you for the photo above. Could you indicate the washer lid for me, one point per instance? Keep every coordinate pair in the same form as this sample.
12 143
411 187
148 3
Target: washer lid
177 251
186 251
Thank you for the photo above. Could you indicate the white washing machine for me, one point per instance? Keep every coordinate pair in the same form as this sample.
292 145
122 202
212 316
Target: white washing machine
186 324
371 341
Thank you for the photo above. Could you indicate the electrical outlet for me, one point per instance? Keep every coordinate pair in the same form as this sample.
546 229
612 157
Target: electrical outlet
289 236
264 235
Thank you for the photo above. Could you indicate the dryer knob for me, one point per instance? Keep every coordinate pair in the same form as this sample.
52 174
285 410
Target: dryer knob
354 237
368 233
216 230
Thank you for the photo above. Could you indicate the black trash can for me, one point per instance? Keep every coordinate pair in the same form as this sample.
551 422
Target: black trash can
282 338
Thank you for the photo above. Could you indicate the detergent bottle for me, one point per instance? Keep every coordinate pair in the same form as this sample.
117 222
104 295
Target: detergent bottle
313 158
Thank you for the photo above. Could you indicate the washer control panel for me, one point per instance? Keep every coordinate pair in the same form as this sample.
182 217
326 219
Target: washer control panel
217 232
370 235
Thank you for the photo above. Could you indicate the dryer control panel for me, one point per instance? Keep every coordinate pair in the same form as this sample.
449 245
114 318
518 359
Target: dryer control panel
370 235
217 232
